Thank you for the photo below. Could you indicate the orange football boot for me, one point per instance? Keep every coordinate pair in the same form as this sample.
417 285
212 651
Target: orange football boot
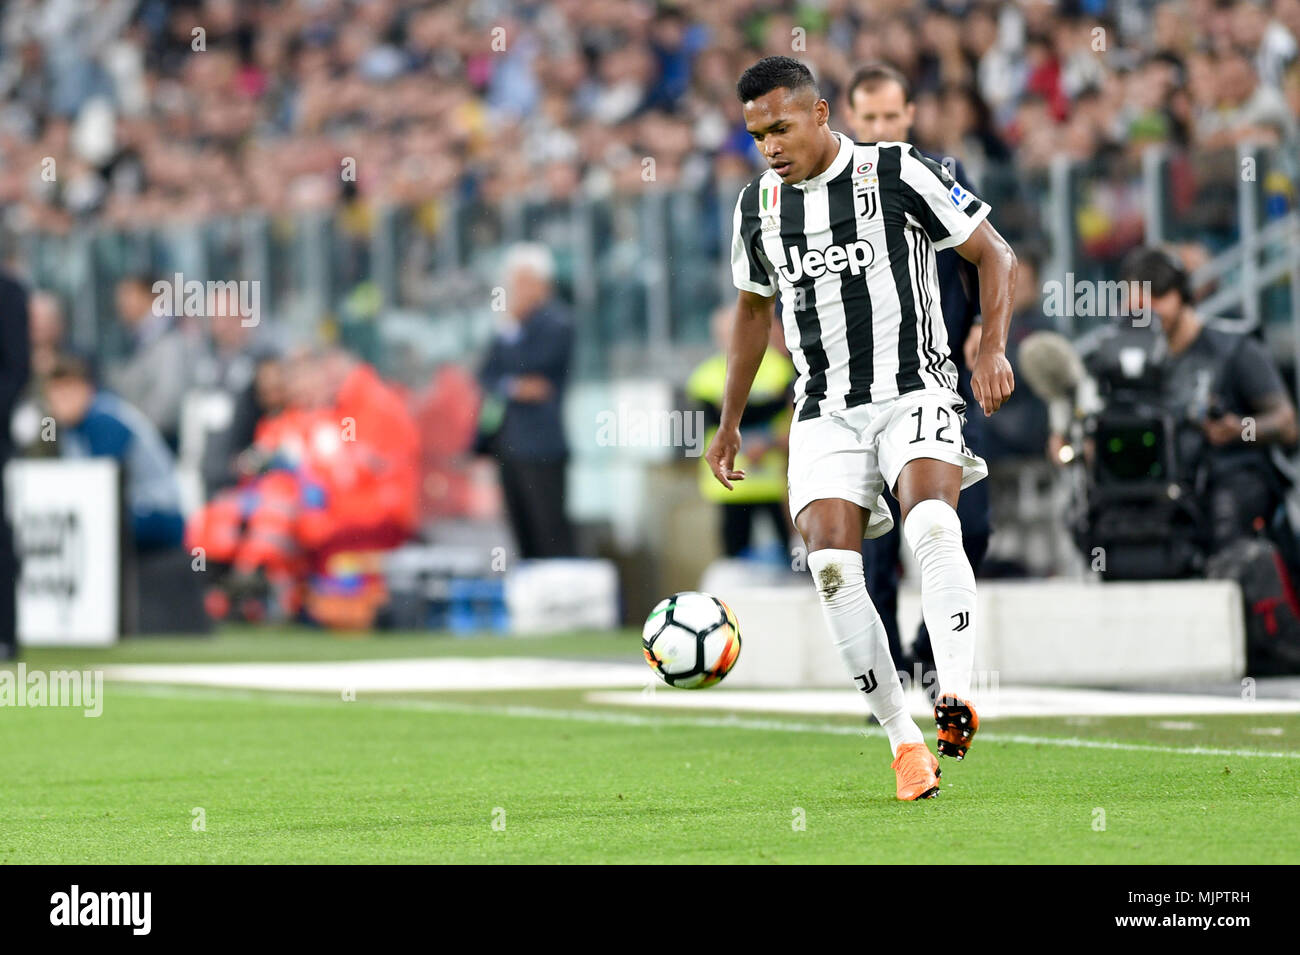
957 723
918 772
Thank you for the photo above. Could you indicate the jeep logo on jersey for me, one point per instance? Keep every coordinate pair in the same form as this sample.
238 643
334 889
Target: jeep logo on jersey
855 256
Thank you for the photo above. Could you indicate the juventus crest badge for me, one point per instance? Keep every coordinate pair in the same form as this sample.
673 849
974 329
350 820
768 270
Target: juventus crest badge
868 203
866 191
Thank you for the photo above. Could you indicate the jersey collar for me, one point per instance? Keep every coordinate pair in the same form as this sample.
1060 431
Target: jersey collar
842 159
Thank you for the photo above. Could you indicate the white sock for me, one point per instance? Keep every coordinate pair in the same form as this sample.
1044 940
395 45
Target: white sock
933 531
859 635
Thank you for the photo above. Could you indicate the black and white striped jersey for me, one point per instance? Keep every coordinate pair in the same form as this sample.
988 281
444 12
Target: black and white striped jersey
852 253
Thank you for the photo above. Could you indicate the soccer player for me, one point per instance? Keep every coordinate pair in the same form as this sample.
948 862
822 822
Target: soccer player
848 233
881 108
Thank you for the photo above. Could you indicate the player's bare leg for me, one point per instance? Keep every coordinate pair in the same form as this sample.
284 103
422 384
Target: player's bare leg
832 531
927 491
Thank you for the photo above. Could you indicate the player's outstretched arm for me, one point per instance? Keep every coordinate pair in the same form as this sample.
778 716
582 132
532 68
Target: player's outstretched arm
749 337
991 379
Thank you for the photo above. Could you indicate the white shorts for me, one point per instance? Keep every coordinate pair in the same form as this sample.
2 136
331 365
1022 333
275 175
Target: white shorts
857 453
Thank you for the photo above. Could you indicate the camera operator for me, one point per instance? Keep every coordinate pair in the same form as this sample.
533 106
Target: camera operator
1228 393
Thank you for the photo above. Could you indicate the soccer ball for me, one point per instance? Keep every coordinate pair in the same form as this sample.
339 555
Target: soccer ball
691 640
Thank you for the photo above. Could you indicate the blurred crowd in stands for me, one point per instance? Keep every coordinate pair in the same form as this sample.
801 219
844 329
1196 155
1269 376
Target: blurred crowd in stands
511 97
136 114
302 462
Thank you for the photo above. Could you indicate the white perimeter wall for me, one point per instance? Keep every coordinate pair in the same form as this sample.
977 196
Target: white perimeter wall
1043 632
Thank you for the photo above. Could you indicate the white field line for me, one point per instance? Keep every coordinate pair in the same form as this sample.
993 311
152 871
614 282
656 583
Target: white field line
637 719
405 676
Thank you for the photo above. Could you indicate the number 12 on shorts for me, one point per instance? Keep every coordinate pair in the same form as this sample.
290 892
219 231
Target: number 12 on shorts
944 423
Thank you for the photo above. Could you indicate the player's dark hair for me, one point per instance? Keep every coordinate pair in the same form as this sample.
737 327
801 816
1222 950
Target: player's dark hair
1159 267
875 74
775 72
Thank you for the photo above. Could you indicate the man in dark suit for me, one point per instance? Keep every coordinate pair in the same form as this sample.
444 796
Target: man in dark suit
882 111
15 359
521 423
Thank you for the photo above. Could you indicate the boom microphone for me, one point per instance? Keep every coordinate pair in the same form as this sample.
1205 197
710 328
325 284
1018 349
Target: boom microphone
1050 365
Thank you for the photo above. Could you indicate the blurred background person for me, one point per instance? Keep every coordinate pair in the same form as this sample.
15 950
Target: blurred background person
15 359
335 471
250 533
47 331
158 364
1246 109
226 366
521 423
1228 392
28 425
1019 429
765 436
94 423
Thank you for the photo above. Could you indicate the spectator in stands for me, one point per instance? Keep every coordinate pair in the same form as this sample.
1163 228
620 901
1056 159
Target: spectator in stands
158 365
1273 44
47 331
522 423
14 368
96 423
276 87
1291 89
1147 114
1246 109
29 425
970 131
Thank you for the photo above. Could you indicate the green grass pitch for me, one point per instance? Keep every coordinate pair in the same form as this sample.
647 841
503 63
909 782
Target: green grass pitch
543 776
